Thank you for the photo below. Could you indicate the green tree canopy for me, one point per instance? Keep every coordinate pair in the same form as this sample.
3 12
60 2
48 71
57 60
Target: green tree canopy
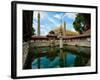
82 22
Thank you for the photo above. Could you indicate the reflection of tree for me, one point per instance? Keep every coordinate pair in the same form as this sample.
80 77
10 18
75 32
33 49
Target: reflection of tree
52 53
82 22
80 61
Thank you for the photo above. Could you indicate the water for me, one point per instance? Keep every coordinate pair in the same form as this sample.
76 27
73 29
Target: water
56 58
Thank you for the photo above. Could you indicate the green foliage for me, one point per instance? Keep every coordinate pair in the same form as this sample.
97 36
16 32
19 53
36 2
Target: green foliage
82 23
33 31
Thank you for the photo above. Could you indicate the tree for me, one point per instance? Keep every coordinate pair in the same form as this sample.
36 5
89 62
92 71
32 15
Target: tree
82 22
51 32
33 31
38 24
27 25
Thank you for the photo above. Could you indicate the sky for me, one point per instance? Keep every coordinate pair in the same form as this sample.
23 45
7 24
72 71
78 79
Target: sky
52 20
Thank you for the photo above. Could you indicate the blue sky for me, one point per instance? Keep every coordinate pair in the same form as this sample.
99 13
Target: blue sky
52 20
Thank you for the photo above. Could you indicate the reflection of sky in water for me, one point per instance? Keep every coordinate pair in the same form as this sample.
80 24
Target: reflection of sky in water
47 63
70 60
55 62
44 62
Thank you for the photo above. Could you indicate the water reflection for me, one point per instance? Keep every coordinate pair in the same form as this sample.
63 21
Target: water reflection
55 58
70 60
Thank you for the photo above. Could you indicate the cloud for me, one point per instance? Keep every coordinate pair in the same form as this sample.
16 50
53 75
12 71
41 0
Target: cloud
35 14
43 29
42 15
71 15
35 27
57 16
70 27
51 20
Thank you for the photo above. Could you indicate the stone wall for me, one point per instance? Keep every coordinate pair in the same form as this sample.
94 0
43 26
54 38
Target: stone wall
25 51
